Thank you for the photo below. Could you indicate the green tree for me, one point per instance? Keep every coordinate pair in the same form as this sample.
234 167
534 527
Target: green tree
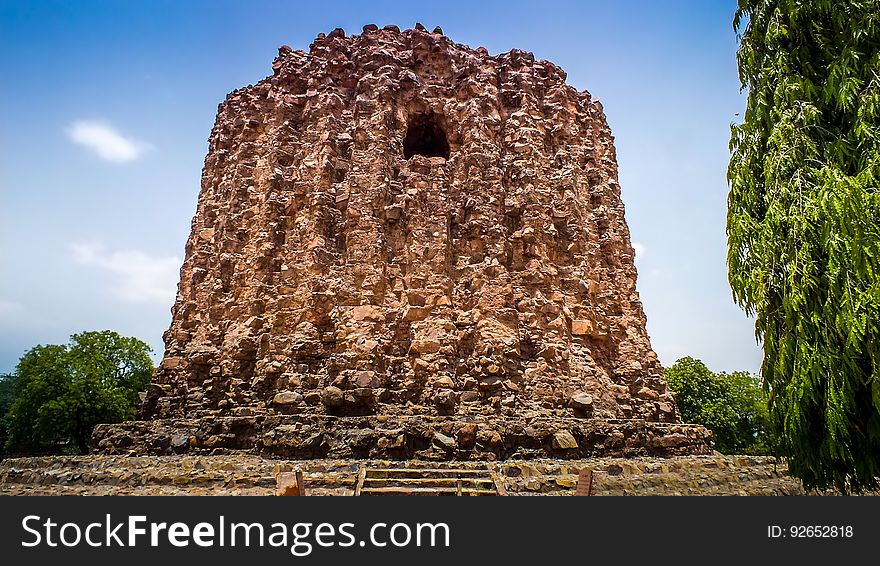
746 396
732 405
7 394
803 230
63 391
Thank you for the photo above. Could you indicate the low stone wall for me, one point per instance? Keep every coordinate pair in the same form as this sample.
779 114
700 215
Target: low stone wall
238 474
403 438
687 475
241 474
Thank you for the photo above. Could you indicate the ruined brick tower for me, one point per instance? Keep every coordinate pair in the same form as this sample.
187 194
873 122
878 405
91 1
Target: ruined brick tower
406 247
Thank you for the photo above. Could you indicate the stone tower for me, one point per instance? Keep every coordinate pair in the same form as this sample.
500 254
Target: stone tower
395 229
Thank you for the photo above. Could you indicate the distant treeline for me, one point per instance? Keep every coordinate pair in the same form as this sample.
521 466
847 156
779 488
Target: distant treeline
732 405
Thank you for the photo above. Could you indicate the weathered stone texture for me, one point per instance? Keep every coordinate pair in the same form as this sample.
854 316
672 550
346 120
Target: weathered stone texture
403 437
393 223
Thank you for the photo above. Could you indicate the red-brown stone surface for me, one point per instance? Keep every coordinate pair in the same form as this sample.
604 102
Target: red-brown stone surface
393 223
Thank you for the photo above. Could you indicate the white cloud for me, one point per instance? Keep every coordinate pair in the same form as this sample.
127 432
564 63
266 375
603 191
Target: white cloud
105 141
141 278
640 250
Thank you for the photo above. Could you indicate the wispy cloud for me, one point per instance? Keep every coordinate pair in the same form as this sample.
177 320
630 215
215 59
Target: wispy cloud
640 250
141 278
105 141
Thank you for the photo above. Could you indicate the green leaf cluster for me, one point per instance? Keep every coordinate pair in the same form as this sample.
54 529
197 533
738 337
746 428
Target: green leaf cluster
803 228
7 395
732 405
61 392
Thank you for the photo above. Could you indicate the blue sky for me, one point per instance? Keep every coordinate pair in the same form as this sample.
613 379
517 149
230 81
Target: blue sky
106 109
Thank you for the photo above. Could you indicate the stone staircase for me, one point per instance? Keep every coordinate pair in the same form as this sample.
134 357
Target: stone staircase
428 481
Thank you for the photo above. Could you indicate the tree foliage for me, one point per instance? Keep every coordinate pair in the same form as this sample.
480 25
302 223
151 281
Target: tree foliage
804 227
732 405
7 394
61 392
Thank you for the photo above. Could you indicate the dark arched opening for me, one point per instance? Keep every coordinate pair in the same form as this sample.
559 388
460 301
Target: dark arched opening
425 136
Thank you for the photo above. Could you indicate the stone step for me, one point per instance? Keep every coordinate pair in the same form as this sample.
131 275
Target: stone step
426 481
429 482
411 490
427 472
